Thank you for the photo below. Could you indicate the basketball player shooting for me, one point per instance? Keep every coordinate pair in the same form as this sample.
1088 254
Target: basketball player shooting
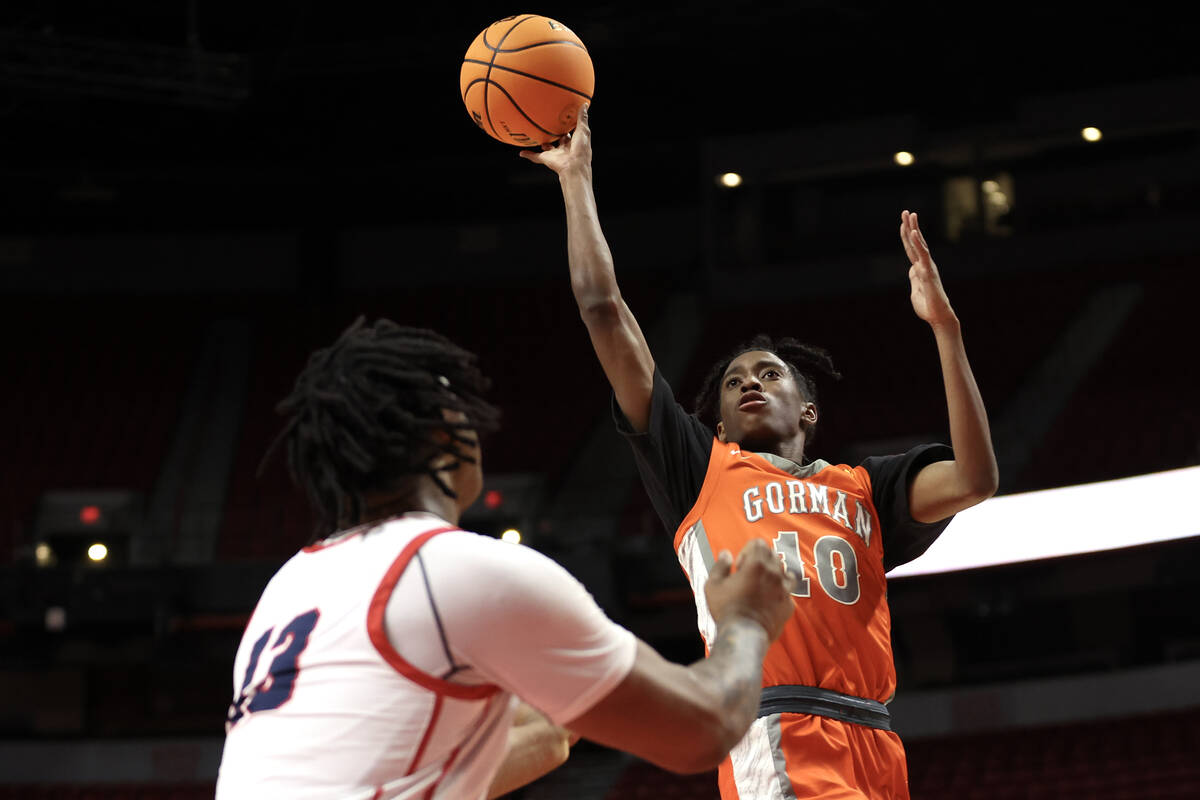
823 728
385 659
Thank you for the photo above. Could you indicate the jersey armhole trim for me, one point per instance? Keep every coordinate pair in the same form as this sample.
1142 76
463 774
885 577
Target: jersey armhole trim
865 476
377 630
712 476
433 721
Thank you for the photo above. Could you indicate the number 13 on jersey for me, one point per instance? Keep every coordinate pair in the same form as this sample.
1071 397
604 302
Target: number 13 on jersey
276 686
834 560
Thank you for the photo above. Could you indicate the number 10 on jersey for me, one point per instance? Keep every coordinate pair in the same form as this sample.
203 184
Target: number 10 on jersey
835 562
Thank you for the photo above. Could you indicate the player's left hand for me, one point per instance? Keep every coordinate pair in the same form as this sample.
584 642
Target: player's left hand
928 296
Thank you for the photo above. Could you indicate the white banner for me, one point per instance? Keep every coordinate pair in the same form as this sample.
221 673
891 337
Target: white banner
1061 522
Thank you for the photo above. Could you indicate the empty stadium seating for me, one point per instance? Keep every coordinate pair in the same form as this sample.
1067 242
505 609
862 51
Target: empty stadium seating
113 791
1135 411
1152 756
99 384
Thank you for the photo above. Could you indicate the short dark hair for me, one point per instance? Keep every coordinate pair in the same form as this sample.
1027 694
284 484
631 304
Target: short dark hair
362 413
804 360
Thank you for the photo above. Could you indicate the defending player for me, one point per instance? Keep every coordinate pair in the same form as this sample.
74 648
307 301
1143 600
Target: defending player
384 660
823 729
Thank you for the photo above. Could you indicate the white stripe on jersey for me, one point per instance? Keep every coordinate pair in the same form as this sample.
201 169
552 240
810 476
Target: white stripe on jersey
757 762
691 558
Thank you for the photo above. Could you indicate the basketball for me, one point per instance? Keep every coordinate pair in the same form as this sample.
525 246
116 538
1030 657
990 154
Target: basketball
524 78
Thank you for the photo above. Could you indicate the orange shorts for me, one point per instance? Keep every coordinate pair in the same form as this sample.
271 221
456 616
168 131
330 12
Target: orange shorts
797 756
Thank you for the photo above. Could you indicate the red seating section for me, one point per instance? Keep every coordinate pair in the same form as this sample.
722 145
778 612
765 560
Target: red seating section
1152 756
100 381
1136 411
98 387
113 791
530 343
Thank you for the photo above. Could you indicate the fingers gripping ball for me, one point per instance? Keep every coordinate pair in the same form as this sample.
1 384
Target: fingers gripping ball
524 78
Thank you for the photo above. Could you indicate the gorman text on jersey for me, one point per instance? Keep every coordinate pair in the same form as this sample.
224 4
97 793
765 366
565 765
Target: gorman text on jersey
790 497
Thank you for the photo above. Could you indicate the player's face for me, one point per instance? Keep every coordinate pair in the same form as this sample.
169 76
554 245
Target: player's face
761 403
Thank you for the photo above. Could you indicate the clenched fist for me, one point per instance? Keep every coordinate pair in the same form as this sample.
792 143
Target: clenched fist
756 587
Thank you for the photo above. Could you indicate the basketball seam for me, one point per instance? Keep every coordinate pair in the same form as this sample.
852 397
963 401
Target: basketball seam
525 74
487 78
520 110
498 49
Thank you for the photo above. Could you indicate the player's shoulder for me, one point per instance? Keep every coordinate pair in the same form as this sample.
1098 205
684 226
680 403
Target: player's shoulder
469 570
473 551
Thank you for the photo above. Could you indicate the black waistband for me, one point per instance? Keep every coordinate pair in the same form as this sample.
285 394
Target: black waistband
825 703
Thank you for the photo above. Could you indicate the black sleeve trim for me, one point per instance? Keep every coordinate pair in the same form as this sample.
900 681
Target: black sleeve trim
671 455
904 538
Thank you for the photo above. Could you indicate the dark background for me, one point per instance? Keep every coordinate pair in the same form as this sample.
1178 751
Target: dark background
197 194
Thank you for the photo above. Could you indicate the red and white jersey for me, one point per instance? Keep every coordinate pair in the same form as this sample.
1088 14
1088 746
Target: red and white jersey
385 662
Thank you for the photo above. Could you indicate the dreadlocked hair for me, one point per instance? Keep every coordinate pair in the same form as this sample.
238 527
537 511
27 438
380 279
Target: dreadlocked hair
363 414
804 360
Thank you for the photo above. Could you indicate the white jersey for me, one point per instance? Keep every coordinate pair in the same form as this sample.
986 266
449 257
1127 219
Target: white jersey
384 662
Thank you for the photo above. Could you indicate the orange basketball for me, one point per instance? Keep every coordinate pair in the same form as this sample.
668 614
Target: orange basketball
524 78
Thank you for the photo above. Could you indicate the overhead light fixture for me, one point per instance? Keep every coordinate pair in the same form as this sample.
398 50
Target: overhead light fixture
904 158
1091 134
730 180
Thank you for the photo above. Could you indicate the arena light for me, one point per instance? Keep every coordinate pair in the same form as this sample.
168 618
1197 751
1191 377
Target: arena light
43 555
904 158
730 180
512 536
97 552
1091 134
1107 515
56 618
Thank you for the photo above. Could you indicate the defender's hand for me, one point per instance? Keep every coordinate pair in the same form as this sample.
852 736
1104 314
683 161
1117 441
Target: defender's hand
929 298
758 587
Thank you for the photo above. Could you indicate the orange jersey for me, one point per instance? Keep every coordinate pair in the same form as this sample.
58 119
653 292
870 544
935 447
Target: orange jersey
825 530
838 529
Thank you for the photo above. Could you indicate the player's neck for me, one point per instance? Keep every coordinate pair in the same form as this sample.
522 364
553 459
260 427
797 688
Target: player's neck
424 495
792 449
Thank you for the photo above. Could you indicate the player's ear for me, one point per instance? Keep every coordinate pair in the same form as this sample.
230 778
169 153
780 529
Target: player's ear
808 417
721 432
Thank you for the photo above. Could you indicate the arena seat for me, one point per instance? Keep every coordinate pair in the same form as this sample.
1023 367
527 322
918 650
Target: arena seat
101 384
109 791
1147 756
545 379
1135 411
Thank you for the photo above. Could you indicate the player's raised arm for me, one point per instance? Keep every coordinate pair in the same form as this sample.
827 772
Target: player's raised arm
686 719
615 334
947 487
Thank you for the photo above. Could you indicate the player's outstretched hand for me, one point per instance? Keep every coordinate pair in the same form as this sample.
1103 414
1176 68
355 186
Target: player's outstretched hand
928 296
756 587
573 151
